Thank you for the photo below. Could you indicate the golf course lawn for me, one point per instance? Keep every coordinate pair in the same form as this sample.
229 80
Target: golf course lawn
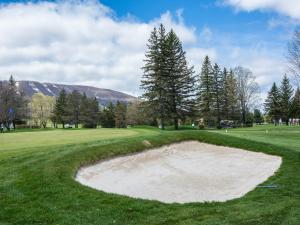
283 136
37 183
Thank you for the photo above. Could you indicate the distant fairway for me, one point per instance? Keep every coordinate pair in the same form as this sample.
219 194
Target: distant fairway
284 136
24 140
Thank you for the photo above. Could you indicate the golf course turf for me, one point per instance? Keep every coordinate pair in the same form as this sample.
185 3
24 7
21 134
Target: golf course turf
37 183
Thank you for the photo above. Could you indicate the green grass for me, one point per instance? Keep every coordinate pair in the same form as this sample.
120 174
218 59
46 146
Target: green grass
283 136
37 185
21 140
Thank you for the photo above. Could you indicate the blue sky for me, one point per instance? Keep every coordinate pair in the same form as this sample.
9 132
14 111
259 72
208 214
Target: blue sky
103 43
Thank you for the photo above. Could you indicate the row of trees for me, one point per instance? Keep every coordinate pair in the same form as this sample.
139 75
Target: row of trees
68 108
13 104
282 102
74 109
173 91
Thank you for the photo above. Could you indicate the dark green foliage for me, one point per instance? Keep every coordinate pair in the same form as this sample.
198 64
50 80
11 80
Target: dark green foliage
107 118
60 108
233 106
180 82
89 112
272 104
286 92
167 80
13 104
295 109
206 92
218 93
154 75
120 115
73 108
258 118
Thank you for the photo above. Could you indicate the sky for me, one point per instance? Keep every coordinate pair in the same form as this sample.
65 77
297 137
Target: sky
103 43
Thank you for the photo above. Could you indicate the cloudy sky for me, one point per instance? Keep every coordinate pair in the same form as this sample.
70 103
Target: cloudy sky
103 43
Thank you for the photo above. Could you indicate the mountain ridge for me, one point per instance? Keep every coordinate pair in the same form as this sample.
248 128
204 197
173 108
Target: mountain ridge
103 95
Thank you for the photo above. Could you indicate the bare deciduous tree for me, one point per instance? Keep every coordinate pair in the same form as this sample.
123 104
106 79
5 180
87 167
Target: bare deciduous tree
248 90
293 56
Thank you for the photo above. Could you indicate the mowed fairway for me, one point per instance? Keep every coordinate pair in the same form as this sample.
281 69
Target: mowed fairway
285 136
37 183
24 140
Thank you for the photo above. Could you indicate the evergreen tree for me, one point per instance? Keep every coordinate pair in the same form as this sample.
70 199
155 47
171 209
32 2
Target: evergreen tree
218 92
60 108
154 74
89 112
232 97
272 104
120 115
180 82
93 113
107 118
205 93
295 111
73 107
286 92
13 104
258 118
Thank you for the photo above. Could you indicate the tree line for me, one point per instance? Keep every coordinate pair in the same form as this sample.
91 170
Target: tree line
72 109
173 92
282 102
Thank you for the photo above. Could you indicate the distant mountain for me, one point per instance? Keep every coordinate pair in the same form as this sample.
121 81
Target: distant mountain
104 96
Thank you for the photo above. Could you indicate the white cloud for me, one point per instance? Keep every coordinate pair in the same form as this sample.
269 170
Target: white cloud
85 43
266 67
78 43
289 8
196 55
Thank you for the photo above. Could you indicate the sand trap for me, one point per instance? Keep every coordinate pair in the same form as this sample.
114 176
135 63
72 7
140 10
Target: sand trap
183 172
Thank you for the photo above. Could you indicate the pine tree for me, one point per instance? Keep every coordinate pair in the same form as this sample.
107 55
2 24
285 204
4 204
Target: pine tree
272 104
295 111
13 104
107 118
286 92
218 93
120 115
89 112
205 93
258 118
154 74
232 97
73 107
60 108
180 82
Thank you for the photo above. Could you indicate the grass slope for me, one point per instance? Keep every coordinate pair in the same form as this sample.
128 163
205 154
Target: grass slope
37 187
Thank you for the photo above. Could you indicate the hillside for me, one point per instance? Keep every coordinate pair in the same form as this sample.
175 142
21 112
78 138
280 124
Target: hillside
104 96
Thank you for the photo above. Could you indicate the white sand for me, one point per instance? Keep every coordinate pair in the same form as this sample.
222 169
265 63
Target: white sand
183 172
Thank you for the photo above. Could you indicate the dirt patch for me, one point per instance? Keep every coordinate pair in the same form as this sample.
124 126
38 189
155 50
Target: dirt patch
183 172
